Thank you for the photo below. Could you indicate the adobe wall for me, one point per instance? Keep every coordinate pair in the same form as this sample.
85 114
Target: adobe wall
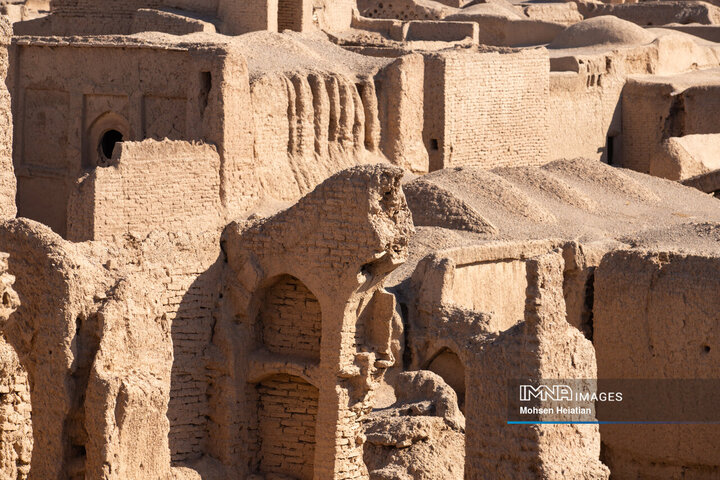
300 261
170 185
52 332
7 177
655 111
399 88
587 118
91 17
543 346
655 316
202 7
128 332
86 17
316 124
69 96
279 15
129 376
479 339
486 108
662 13
173 22
584 110
16 436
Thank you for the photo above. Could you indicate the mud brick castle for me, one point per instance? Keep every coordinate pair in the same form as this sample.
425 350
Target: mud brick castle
316 239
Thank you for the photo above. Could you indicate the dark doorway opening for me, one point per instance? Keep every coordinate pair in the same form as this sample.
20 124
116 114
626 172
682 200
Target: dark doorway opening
290 15
108 141
610 150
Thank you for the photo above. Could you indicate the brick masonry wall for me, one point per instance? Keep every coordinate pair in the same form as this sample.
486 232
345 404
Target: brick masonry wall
172 186
325 239
96 17
246 16
289 15
291 319
189 302
286 409
495 107
185 269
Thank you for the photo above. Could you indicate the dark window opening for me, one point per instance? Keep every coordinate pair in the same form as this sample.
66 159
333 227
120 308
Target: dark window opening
290 15
434 145
205 87
610 151
108 141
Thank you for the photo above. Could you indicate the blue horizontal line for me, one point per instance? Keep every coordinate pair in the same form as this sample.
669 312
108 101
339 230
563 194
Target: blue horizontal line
570 422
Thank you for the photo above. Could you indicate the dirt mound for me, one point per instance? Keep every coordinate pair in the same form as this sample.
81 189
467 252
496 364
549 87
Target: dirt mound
539 180
598 174
604 30
491 192
577 200
435 206
268 52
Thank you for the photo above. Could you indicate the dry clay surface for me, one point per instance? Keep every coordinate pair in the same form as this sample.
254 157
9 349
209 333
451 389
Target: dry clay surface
572 200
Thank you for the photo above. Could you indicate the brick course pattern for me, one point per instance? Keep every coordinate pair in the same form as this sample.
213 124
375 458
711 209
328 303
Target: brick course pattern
287 409
291 319
487 109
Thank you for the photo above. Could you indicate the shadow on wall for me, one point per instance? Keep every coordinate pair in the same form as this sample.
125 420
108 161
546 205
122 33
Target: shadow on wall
448 365
192 332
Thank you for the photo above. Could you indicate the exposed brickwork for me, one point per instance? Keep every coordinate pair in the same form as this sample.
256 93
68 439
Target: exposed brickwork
291 319
489 108
173 184
287 408
289 16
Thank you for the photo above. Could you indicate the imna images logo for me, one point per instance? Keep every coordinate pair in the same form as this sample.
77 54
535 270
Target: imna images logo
544 393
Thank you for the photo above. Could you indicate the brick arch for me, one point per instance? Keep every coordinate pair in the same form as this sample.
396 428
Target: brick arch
290 319
98 144
283 428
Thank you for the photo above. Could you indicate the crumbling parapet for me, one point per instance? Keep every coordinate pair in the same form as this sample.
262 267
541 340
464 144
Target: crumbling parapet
656 318
459 322
52 332
306 311
543 346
